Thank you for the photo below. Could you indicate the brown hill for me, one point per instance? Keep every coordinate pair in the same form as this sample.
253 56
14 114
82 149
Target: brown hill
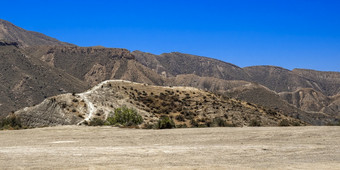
186 105
314 101
275 78
279 79
12 33
252 93
94 65
172 64
329 82
26 81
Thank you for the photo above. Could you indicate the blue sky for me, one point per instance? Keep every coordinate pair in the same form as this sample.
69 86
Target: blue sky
286 33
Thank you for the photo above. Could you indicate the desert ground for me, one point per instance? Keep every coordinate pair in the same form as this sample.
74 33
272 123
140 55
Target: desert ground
82 147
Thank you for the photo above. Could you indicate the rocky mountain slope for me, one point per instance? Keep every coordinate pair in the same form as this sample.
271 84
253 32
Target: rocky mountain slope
10 32
25 80
313 101
95 64
186 105
172 64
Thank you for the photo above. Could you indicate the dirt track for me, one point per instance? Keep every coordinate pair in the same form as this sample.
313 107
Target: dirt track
220 148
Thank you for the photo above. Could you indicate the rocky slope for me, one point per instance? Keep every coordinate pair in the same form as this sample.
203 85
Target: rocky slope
314 101
172 64
254 93
25 80
12 33
329 82
195 107
95 64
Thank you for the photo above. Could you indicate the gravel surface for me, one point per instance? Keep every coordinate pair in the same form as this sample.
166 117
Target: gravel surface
80 147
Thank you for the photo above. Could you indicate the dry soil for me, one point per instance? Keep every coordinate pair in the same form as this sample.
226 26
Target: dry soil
80 147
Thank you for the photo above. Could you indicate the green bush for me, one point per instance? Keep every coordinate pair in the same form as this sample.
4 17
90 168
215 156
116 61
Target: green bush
125 116
165 122
10 122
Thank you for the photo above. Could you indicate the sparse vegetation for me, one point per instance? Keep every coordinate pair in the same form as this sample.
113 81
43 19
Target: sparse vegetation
180 118
284 122
254 122
334 124
181 126
96 122
11 122
218 122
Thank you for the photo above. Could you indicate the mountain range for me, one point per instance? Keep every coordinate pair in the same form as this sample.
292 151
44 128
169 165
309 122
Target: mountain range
35 67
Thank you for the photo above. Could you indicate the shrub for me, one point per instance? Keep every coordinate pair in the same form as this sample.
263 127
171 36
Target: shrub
181 126
96 122
218 122
333 124
10 122
194 123
254 122
284 122
296 124
125 116
165 122
180 118
148 126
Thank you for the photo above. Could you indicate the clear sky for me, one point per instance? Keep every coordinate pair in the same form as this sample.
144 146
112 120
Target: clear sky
286 33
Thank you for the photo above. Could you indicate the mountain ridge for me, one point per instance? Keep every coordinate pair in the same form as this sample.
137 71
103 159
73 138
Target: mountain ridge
10 32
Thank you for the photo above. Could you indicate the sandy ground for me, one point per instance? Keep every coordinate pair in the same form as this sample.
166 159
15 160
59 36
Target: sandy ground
79 147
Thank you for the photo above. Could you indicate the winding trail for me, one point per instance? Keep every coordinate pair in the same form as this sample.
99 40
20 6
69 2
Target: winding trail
90 106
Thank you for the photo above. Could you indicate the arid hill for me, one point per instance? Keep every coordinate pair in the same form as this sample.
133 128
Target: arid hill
314 101
172 64
187 106
254 93
26 81
95 64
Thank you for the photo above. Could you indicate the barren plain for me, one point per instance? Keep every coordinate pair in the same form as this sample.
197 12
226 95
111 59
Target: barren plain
82 147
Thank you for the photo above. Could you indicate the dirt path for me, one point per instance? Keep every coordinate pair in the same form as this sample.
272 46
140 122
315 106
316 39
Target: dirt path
220 148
